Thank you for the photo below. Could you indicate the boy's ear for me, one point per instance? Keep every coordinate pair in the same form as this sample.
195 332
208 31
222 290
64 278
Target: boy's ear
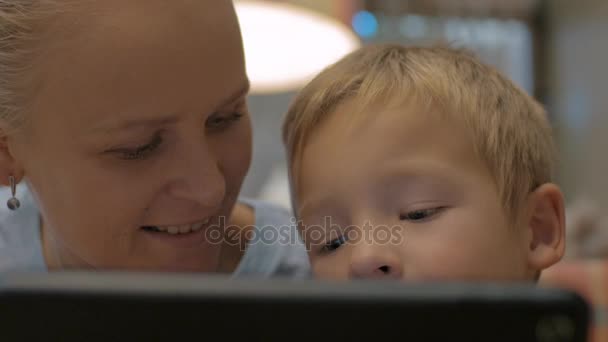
546 227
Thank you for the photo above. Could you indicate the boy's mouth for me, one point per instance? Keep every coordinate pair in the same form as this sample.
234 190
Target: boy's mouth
177 229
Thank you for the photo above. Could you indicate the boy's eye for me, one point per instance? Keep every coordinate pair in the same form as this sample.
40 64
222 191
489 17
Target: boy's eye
334 244
420 215
221 121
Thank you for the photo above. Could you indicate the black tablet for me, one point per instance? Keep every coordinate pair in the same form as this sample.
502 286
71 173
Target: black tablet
154 307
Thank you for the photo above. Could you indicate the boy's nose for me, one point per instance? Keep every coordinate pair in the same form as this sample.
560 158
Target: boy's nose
376 266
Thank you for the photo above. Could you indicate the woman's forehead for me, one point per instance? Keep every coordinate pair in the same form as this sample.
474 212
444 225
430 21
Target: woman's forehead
142 21
164 64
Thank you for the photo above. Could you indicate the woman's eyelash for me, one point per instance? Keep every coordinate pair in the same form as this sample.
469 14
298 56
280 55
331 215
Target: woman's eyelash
140 152
143 152
221 121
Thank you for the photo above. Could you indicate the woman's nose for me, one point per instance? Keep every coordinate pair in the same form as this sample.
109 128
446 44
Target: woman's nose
200 180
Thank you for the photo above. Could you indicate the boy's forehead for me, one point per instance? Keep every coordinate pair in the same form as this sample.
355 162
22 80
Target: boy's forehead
352 140
382 122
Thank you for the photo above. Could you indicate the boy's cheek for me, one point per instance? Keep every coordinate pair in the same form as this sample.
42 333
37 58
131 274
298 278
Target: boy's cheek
325 268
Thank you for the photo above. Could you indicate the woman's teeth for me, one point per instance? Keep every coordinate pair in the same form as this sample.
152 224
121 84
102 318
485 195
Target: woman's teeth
181 229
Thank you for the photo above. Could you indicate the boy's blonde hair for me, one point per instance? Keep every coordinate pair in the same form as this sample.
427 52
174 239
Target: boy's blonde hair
510 129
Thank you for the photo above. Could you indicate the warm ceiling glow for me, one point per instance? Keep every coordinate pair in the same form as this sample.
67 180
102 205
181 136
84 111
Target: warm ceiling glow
285 45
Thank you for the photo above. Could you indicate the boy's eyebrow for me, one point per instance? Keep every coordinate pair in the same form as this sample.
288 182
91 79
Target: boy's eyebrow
312 205
394 177
415 171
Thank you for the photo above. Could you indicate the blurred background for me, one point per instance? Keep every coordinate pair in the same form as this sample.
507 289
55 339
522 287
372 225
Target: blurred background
555 49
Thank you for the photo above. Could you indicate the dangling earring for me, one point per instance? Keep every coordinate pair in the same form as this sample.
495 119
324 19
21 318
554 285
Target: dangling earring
13 203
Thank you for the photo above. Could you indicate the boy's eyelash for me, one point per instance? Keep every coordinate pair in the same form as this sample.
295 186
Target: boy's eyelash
334 244
420 215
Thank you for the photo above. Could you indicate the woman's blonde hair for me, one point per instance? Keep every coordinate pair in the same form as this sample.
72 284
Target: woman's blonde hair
510 129
20 31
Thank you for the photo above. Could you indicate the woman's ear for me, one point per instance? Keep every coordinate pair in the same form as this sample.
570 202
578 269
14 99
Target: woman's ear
546 227
8 164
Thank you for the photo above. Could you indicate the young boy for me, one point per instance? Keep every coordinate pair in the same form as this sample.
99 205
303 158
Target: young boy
423 164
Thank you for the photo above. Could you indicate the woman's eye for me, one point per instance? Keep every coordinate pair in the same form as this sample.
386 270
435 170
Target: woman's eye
334 244
140 152
419 215
221 121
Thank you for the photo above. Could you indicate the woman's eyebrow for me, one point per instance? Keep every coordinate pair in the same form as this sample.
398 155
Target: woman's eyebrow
129 124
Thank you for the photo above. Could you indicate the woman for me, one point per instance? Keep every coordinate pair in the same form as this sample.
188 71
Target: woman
125 140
